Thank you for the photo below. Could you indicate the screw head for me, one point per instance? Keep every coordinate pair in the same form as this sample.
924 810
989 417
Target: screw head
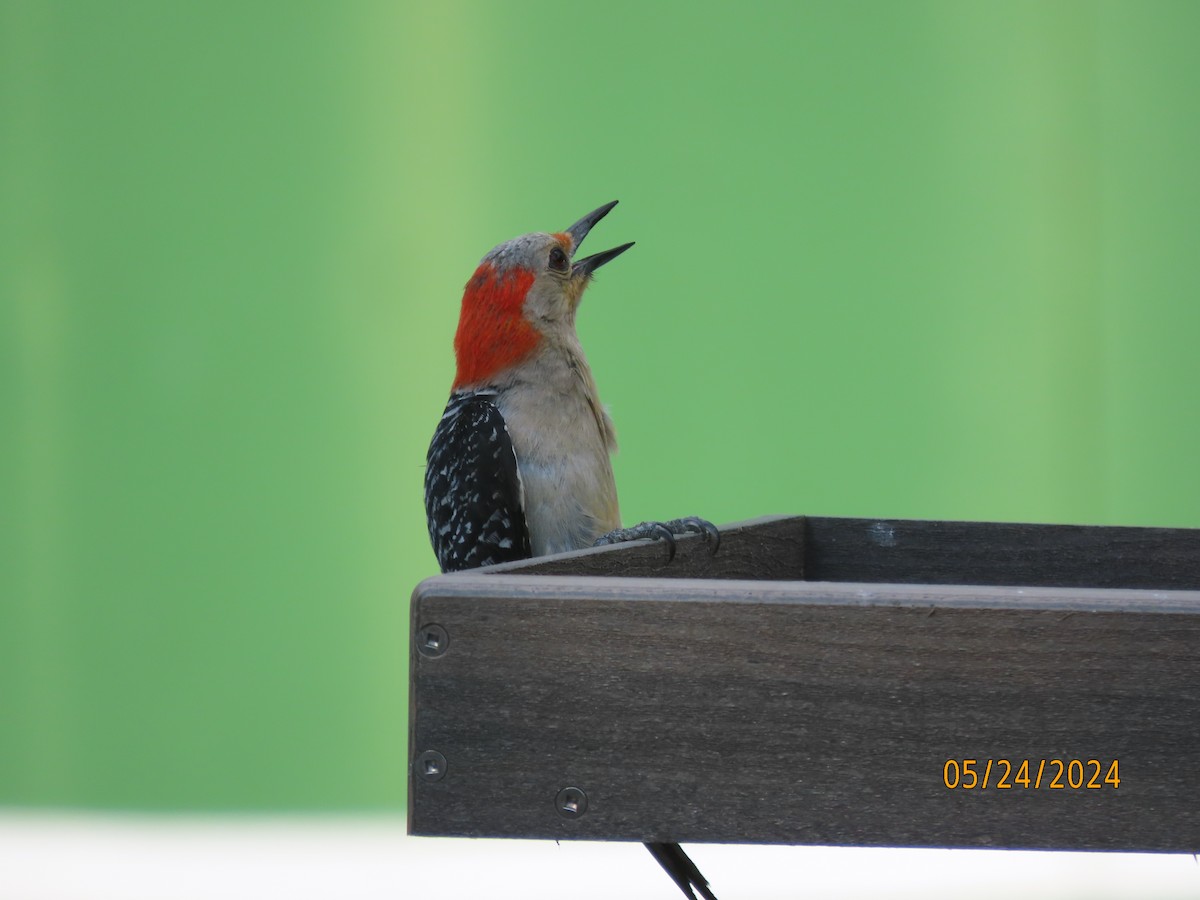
430 766
571 802
432 640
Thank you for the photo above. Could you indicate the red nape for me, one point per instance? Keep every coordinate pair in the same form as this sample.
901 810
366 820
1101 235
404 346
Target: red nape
492 331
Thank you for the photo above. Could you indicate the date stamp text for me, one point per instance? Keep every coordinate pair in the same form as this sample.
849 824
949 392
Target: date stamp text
1031 774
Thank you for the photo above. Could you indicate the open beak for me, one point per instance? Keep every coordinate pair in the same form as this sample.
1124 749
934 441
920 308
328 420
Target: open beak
585 267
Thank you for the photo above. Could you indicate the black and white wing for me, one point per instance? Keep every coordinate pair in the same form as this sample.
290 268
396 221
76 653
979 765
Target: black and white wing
473 495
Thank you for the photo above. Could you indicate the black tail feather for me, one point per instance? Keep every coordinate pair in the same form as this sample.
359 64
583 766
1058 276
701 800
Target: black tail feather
681 869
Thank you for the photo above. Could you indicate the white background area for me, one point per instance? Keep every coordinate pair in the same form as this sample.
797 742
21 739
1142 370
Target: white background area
84 856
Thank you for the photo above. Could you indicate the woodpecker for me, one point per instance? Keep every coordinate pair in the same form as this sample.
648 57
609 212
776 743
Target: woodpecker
520 463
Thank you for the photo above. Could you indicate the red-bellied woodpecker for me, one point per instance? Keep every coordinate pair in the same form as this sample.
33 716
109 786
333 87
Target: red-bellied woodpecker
519 464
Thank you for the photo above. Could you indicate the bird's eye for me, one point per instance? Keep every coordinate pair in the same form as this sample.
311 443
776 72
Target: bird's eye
558 259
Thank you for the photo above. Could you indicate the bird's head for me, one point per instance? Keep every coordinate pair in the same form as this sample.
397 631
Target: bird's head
525 292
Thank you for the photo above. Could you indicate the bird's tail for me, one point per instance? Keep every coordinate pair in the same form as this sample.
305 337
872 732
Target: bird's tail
681 869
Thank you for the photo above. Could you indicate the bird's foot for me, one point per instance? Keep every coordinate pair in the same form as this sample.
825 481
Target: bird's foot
666 532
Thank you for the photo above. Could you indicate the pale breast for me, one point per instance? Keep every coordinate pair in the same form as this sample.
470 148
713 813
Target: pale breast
563 459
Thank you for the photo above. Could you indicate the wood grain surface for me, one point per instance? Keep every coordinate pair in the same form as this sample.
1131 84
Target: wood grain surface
811 712
905 551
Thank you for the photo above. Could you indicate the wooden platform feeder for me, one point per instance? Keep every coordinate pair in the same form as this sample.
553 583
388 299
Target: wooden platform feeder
820 681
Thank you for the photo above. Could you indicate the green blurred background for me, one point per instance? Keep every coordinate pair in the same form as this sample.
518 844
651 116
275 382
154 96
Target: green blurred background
923 259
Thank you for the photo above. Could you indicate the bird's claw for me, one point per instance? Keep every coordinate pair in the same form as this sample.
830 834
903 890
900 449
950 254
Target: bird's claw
696 525
662 533
655 531
666 532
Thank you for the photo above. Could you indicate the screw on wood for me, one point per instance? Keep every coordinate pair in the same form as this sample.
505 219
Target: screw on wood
571 802
432 640
431 766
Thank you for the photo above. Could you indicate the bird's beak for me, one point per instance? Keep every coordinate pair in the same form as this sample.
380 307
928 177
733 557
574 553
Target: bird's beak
580 229
585 267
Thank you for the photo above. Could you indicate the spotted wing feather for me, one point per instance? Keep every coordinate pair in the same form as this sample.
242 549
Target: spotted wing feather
473 496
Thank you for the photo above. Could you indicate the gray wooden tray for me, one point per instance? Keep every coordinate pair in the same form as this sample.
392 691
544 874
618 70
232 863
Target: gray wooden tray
819 681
